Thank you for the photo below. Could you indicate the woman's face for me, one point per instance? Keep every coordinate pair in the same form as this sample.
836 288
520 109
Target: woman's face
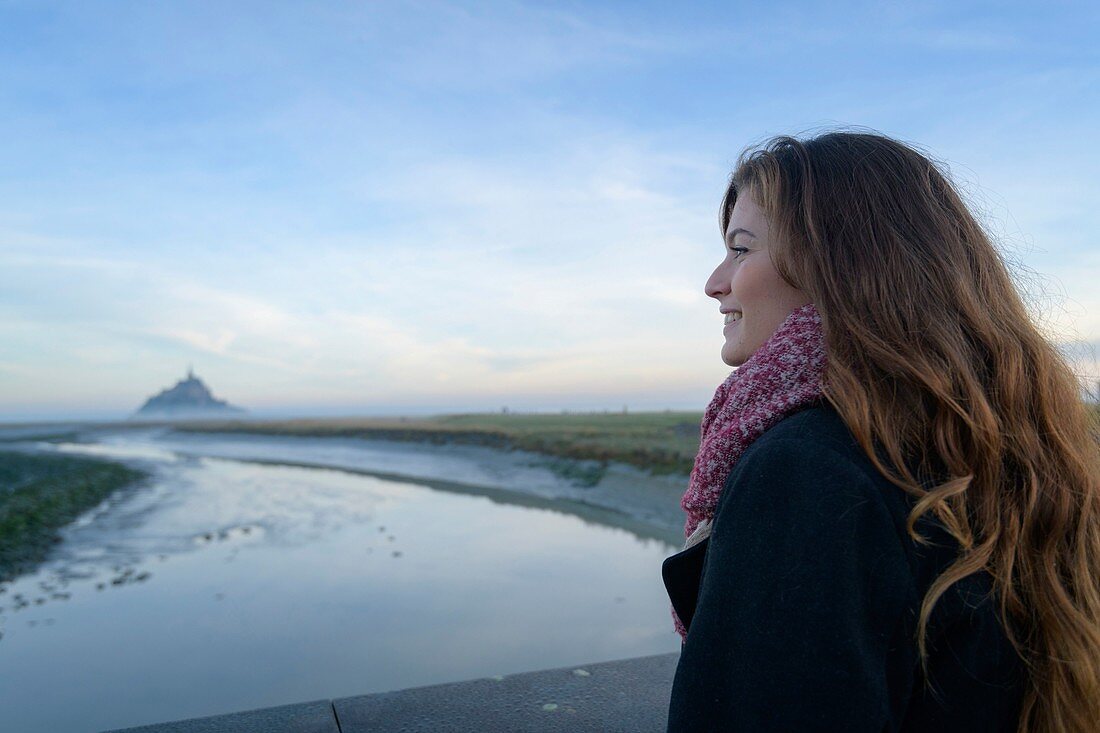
746 285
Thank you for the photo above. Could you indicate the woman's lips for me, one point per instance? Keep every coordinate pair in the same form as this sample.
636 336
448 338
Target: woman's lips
732 316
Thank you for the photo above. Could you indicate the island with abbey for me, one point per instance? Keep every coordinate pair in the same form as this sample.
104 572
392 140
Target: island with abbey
188 399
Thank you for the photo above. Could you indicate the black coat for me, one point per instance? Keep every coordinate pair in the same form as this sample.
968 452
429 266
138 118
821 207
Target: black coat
801 606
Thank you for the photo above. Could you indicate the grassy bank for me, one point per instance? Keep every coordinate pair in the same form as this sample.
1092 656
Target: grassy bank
660 442
39 494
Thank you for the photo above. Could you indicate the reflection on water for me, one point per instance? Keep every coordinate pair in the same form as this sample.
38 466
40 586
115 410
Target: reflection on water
223 585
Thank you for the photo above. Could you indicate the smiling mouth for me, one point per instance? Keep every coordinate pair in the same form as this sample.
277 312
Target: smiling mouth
733 317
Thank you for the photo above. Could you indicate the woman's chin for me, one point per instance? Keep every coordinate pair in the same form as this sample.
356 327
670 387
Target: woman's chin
732 358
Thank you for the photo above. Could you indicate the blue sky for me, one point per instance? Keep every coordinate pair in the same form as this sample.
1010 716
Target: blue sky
341 208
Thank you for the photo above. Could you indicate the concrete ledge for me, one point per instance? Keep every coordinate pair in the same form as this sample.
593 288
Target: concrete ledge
305 717
629 695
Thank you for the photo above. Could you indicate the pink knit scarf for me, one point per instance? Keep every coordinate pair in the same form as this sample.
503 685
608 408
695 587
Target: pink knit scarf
781 377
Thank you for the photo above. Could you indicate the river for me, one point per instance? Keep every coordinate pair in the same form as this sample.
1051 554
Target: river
255 571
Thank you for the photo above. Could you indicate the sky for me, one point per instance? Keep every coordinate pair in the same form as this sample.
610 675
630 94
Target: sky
402 208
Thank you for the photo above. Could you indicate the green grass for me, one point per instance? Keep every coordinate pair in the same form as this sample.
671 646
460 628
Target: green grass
47 437
39 494
660 442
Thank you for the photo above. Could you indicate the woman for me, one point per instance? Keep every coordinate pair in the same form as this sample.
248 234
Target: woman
894 517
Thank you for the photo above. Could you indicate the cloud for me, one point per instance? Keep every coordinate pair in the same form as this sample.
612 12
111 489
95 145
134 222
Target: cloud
477 314
367 202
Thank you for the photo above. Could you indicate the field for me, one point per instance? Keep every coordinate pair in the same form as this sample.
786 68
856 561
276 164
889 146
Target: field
660 442
39 494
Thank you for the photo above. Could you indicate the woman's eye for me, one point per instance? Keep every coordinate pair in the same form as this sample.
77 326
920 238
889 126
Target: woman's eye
738 251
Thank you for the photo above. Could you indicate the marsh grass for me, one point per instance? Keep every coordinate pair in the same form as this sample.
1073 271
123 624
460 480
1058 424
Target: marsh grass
659 442
39 494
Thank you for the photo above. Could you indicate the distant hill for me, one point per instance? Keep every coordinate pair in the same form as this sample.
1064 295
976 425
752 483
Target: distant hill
189 399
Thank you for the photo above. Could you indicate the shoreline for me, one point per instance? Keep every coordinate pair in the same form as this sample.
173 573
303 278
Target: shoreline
611 493
607 508
42 493
660 443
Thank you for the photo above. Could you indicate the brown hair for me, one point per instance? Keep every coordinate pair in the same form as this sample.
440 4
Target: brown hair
932 354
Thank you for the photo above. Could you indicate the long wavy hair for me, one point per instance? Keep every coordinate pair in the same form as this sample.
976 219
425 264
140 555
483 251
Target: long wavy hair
933 354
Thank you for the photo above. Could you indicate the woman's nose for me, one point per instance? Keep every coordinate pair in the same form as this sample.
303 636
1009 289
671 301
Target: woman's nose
719 282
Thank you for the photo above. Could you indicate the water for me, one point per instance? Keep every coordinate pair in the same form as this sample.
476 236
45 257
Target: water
225 584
